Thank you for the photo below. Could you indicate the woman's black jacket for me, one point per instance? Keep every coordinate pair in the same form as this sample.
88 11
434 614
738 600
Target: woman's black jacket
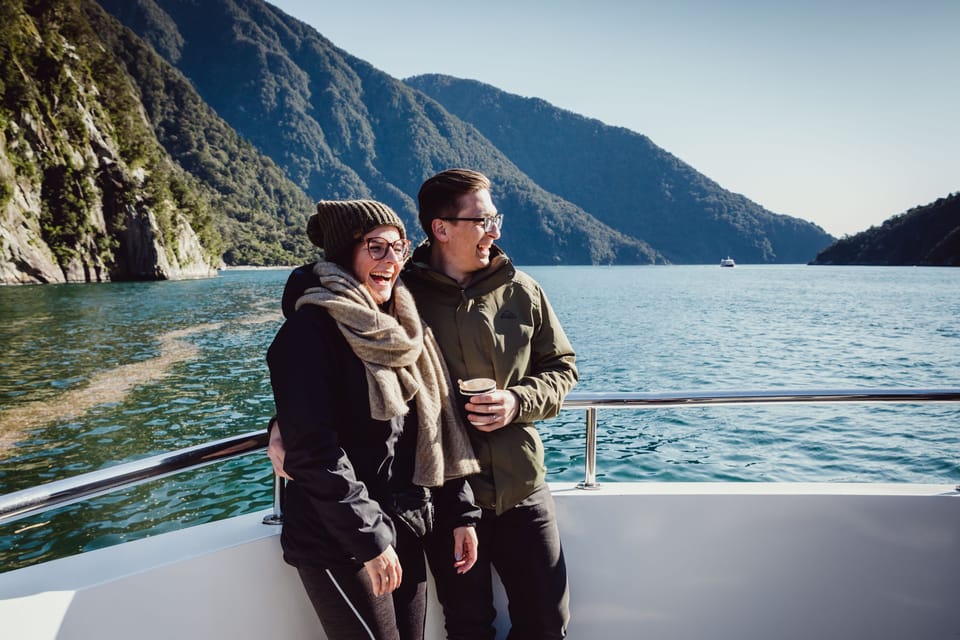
347 467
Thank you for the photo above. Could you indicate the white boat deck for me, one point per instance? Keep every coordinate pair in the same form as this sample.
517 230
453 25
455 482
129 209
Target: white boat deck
671 561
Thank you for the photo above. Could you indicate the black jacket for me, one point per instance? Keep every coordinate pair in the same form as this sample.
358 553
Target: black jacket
347 467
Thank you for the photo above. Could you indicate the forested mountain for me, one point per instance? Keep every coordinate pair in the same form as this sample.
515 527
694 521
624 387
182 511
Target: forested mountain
203 133
341 128
111 166
261 214
923 236
625 180
86 192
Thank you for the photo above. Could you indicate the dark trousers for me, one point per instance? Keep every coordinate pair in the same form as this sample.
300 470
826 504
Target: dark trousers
523 544
344 601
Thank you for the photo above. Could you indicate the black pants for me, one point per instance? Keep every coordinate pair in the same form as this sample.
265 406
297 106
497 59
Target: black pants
344 601
523 544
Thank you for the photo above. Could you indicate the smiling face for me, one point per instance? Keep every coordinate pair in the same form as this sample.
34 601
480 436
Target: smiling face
378 276
463 247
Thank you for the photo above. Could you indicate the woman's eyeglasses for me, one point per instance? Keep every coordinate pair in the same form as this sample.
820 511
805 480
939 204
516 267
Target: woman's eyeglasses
377 248
487 222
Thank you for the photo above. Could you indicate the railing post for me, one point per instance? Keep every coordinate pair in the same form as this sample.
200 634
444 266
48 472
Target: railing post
590 457
279 488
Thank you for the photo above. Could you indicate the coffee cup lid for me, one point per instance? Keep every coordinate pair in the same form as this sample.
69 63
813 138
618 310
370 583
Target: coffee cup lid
474 385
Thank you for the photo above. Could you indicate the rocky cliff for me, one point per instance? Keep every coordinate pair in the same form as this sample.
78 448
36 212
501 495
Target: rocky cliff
87 194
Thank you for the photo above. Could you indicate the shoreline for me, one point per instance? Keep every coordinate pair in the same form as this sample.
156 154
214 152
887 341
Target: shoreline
255 268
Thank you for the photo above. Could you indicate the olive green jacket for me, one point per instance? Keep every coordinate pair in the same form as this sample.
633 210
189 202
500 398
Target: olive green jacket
499 326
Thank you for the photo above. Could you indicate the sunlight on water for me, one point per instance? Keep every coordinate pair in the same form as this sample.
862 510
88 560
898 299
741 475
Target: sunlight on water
105 387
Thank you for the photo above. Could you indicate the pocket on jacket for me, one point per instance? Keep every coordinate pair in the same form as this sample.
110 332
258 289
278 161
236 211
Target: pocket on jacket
513 336
414 508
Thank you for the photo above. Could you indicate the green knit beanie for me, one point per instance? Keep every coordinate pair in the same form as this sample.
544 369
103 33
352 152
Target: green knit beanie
338 224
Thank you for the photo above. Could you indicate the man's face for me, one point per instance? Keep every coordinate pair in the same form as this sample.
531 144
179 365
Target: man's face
464 247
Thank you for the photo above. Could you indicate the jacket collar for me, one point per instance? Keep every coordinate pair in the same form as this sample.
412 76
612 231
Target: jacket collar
499 270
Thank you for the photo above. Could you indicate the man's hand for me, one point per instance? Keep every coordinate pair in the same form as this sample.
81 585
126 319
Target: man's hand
465 547
276 452
492 411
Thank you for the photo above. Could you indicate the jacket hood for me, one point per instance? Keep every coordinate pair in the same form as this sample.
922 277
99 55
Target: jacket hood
301 279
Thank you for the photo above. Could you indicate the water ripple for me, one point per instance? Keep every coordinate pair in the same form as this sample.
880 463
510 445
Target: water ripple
679 328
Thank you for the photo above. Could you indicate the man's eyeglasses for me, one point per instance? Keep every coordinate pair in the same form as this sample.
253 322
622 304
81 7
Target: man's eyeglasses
488 222
377 248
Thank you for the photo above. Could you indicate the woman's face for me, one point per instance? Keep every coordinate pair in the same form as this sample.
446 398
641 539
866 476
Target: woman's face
378 276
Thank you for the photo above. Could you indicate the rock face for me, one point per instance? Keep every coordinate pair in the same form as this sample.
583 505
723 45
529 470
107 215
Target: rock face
24 256
87 194
140 250
142 255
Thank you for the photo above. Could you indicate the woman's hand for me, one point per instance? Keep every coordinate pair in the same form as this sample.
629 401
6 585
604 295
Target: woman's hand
384 571
276 452
464 548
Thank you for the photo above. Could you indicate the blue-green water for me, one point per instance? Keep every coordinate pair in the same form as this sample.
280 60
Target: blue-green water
93 375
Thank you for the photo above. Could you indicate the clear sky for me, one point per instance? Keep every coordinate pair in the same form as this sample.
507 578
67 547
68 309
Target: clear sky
839 112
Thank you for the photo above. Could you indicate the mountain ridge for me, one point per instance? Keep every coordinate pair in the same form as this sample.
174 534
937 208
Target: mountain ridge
375 126
256 115
331 109
624 179
927 235
87 192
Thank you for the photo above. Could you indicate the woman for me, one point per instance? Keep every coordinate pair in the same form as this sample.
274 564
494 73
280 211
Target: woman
364 412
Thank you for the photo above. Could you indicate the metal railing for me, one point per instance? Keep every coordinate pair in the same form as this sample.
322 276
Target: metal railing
21 504
593 401
60 493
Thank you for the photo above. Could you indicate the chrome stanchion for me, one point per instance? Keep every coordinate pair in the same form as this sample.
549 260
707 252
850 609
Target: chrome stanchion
279 488
590 458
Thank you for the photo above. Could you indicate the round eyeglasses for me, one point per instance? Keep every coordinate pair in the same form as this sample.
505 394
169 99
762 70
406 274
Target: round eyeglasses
377 248
487 222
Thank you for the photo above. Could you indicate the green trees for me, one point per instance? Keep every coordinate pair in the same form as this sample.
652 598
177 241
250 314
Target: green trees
103 129
928 235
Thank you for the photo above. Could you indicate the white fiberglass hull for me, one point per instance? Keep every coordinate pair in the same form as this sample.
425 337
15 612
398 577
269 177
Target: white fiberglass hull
646 560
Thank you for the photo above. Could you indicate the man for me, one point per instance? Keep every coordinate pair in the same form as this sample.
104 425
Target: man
494 321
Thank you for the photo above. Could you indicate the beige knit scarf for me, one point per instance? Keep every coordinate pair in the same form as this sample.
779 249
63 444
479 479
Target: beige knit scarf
402 361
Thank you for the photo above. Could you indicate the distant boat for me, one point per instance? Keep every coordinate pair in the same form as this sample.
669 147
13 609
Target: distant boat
728 262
